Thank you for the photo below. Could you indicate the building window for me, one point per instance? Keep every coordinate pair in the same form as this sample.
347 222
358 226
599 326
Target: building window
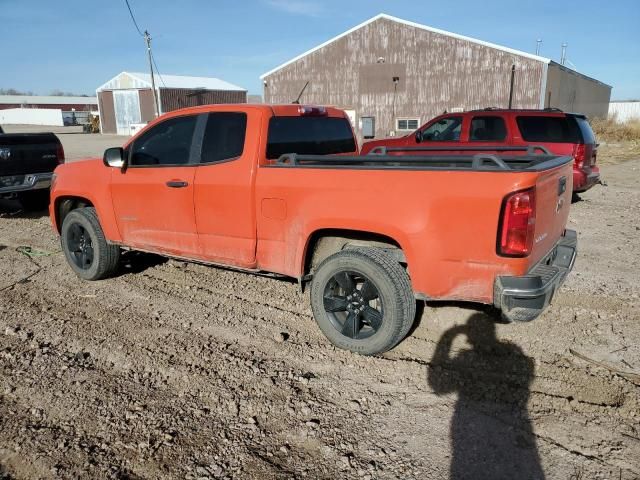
407 123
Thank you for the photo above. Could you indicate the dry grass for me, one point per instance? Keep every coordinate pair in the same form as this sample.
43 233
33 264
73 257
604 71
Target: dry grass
618 141
608 130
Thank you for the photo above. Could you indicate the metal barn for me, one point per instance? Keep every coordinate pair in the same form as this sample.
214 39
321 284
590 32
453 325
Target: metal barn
127 99
397 74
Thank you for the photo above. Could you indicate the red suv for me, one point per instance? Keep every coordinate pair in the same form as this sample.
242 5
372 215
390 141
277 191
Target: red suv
561 133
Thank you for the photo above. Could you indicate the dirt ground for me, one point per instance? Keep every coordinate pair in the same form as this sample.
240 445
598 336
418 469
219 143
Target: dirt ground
175 370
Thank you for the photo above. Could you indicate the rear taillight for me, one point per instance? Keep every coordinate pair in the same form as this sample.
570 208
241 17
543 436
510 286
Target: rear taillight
517 224
308 110
584 155
579 155
60 154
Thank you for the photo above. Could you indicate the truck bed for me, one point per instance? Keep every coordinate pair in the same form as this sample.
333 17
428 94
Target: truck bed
29 153
444 211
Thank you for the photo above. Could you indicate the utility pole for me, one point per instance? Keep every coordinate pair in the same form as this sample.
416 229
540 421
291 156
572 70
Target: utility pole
156 108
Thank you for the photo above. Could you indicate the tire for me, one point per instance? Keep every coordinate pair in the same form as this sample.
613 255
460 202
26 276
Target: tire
35 200
85 247
350 314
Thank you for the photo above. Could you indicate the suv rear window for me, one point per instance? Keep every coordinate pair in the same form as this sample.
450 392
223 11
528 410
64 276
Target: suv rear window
309 136
549 129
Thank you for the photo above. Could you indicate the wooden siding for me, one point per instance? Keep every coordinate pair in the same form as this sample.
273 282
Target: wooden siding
107 112
147 112
175 98
436 73
573 92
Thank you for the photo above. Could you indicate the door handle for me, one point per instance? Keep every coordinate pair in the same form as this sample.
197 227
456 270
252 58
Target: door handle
177 184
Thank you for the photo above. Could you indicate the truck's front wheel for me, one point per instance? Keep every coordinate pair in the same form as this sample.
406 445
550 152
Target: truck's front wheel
85 247
362 300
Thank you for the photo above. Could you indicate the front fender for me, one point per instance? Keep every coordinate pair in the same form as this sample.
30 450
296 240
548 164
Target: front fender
87 181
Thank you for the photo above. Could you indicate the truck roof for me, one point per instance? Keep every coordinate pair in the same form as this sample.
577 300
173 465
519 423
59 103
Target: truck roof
284 110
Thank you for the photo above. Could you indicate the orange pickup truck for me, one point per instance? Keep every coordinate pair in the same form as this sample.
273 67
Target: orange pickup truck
372 234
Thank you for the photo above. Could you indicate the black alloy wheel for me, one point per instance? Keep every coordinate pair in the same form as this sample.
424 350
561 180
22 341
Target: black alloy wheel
85 247
362 300
80 246
352 302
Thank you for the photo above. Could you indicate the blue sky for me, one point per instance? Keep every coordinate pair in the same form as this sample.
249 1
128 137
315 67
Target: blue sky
76 46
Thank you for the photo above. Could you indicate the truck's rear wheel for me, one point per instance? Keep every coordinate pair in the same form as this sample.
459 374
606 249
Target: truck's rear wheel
34 200
85 246
362 300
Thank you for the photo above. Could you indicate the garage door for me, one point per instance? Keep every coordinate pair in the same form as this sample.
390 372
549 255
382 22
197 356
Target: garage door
127 107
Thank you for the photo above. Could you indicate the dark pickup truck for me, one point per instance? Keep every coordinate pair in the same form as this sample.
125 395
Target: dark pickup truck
27 161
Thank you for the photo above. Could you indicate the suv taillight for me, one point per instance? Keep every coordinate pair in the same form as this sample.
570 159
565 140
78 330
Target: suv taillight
60 154
517 224
579 154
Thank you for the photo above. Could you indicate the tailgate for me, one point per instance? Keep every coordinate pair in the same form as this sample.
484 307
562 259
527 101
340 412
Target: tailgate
553 199
23 153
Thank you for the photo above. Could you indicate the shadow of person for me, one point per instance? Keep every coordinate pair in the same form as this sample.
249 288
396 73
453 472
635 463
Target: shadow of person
491 434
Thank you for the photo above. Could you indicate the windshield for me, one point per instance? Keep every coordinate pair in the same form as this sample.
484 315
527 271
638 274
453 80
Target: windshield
309 136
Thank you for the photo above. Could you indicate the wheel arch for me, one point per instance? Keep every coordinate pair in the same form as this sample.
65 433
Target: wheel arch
65 204
323 242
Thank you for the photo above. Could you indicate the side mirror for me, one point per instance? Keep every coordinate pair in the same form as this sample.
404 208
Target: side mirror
114 157
418 136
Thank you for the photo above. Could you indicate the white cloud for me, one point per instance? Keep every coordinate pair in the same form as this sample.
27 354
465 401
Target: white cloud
309 8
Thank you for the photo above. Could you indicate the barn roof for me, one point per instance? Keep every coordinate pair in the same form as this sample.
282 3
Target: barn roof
411 24
143 80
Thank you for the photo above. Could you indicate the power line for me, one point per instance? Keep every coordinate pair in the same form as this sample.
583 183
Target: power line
133 18
153 59
152 62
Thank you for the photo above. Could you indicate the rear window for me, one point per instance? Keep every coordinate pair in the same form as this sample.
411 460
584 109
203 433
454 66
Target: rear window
549 129
309 136
224 136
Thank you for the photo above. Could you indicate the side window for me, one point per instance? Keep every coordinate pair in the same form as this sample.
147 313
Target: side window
488 129
444 130
223 136
168 143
